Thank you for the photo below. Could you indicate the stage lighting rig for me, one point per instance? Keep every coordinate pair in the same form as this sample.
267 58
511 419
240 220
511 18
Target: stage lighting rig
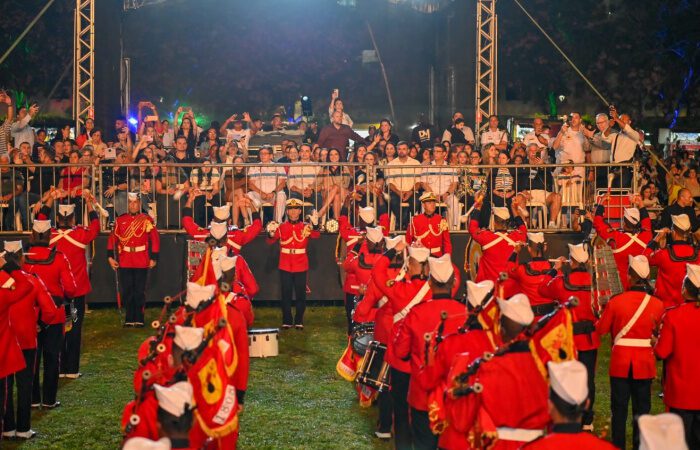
136 4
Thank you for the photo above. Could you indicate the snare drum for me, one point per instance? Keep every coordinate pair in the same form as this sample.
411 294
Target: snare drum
373 371
262 342
362 335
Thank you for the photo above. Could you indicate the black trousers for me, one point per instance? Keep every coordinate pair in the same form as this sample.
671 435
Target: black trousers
70 354
588 358
386 413
402 214
691 425
49 344
399 396
24 379
423 437
3 402
293 284
132 285
621 391
349 305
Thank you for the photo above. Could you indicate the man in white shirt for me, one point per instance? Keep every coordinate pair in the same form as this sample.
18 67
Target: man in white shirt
441 179
168 134
21 131
266 184
238 134
494 135
302 179
468 134
402 184
538 136
571 144
620 145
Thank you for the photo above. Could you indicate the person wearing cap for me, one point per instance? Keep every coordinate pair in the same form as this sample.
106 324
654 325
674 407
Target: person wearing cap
568 395
132 249
441 180
359 264
14 287
430 229
497 246
664 431
631 319
402 295
175 413
678 346
452 355
631 240
527 277
139 443
571 278
672 259
266 184
294 235
235 238
409 341
72 240
24 316
52 267
511 374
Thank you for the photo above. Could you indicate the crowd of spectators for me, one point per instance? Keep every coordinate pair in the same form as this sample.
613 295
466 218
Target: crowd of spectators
171 162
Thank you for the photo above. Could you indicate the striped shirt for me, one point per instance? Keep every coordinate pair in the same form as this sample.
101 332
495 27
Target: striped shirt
403 178
439 177
302 175
267 178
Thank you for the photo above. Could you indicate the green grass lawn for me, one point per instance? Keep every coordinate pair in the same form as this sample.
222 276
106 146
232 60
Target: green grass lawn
294 401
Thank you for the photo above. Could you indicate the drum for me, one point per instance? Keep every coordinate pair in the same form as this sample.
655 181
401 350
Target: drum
472 255
340 255
262 342
373 371
362 335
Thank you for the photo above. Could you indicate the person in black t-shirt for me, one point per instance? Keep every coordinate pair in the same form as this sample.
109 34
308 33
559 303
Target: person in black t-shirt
684 204
423 134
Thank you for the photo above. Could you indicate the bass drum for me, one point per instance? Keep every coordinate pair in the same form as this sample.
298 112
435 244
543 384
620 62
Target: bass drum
472 255
341 251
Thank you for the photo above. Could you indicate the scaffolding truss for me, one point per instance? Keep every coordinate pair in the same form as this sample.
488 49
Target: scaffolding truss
84 62
486 61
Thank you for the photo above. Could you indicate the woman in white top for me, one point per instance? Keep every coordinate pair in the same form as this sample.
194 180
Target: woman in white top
337 105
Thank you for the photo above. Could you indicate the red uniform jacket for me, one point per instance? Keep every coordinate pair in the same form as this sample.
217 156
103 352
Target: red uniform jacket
294 239
578 284
513 376
53 268
239 324
245 277
32 308
72 243
624 244
136 239
147 411
236 239
350 236
678 345
626 354
13 288
374 307
568 436
671 262
432 232
409 342
360 266
527 278
496 247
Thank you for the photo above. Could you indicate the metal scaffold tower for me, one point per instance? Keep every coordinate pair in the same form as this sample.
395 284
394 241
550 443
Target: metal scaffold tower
84 62
486 61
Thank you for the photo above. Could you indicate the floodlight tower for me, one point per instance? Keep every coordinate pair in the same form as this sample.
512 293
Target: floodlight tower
83 61
486 61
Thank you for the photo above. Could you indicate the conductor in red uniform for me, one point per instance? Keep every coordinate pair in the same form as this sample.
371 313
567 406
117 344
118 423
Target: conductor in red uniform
678 344
132 249
72 240
568 396
497 246
294 236
52 267
631 317
430 229
631 240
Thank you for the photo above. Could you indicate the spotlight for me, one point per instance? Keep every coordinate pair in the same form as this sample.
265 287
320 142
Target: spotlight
562 98
133 121
306 106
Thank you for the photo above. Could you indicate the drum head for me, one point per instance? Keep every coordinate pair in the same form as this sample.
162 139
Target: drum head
360 343
263 331
472 255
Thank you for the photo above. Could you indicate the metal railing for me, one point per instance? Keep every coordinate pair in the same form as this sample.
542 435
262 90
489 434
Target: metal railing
547 194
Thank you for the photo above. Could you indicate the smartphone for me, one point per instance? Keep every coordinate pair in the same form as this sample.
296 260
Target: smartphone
151 119
110 153
337 92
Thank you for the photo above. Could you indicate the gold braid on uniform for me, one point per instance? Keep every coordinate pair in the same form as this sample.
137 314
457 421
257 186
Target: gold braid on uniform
137 228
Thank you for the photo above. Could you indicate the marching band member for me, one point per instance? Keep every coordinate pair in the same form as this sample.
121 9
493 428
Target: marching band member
235 239
511 374
529 276
672 259
294 236
568 395
174 415
52 267
663 431
402 295
497 246
132 249
631 240
72 240
430 229
409 341
577 282
139 443
36 305
677 345
631 318
457 349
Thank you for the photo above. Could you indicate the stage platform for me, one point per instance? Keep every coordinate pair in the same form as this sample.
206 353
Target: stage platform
168 277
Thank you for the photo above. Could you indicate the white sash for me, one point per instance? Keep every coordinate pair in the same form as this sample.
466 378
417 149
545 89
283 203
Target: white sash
416 299
633 238
623 332
65 234
501 237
